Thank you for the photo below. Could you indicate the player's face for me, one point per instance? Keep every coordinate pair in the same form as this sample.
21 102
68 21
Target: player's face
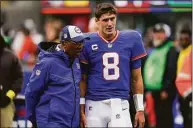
73 49
107 23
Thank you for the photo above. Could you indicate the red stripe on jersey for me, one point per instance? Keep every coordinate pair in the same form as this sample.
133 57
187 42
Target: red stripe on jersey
84 61
140 56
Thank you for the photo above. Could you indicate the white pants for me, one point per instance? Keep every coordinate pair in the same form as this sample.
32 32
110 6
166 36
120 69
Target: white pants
108 113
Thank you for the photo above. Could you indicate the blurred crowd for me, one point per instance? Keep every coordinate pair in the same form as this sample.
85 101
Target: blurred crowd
166 70
25 40
167 74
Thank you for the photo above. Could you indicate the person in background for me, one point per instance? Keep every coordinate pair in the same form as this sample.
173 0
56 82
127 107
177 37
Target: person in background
52 94
11 78
148 40
184 76
28 51
31 26
160 74
52 30
92 26
25 42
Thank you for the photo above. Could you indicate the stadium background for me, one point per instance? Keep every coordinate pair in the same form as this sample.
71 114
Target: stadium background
133 14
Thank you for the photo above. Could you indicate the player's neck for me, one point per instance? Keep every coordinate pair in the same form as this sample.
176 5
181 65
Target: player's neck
109 37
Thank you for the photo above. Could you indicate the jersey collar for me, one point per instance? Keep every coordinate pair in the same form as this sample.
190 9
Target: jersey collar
111 40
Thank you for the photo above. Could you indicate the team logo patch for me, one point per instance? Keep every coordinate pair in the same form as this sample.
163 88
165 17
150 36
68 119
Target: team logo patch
38 72
65 35
78 65
110 45
77 30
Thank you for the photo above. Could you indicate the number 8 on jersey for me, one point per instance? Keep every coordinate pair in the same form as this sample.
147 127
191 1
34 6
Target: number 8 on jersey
111 66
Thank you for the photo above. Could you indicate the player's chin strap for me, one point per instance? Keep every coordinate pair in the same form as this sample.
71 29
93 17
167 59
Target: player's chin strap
138 101
82 100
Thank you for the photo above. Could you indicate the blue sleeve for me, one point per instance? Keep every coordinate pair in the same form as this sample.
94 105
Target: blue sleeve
136 64
38 80
84 56
138 50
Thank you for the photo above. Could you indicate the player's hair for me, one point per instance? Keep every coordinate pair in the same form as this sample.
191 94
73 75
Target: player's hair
186 31
103 8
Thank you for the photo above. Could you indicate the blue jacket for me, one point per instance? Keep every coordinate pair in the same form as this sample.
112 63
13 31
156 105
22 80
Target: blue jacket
53 95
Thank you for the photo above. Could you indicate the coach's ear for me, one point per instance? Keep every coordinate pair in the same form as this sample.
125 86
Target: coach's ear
64 45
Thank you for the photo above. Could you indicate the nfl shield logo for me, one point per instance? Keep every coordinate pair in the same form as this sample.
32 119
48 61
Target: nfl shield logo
110 45
78 65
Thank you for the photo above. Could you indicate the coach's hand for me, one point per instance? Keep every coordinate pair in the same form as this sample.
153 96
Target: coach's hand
139 119
83 117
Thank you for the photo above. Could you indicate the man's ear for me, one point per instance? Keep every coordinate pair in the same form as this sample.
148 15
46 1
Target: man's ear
64 45
97 22
96 19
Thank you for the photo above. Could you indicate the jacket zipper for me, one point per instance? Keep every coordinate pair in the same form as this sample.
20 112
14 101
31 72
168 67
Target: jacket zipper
74 97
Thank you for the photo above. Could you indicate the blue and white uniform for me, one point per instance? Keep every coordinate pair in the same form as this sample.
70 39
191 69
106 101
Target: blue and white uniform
53 94
109 71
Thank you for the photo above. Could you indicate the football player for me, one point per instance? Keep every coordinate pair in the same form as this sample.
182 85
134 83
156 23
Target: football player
111 63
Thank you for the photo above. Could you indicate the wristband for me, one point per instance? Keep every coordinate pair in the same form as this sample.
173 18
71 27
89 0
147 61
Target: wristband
138 101
10 94
82 100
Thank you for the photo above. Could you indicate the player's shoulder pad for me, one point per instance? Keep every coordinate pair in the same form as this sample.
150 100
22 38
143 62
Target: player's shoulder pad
131 36
131 33
91 35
